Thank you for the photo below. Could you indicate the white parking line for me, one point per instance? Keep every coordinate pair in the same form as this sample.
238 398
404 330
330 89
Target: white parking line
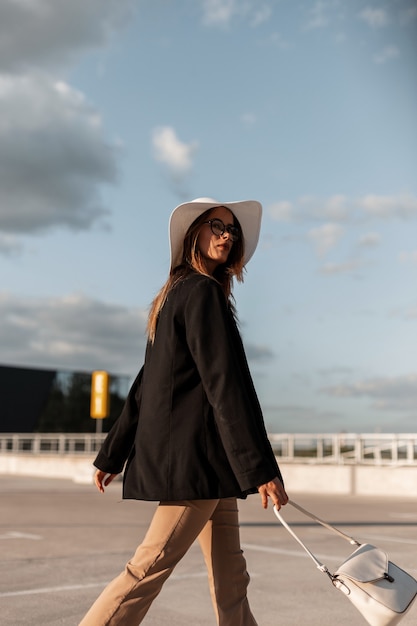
17 535
411 516
393 539
30 592
201 574
299 553
322 557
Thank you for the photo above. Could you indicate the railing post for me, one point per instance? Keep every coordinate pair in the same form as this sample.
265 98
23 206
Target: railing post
336 451
394 449
319 448
36 447
358 449
291 447
410 451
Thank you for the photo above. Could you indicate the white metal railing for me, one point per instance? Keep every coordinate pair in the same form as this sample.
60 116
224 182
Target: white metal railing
347 448
342 448
50 443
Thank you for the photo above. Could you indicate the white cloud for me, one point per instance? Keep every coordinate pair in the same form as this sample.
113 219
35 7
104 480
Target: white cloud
395 393
408 15
282 211
48 98
53 156
369 240
9 245
321 14
411 313
317 17
375 18
335 207
336 214
388 53
325 237
341 268
407 312
261 15
221 12
74 331
408 257
172 152
402 205
50 33
341 208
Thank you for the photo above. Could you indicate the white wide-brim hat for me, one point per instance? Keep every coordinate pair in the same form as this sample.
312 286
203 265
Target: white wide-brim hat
248 212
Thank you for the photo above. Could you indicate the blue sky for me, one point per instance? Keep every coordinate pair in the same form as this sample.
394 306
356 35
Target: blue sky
113 113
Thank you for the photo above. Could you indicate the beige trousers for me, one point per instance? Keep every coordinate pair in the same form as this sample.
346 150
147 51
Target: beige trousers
174 527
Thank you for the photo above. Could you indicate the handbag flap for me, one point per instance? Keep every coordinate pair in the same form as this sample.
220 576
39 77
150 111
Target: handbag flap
366 564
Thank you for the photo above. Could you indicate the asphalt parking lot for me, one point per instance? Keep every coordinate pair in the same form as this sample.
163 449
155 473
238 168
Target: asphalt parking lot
61 542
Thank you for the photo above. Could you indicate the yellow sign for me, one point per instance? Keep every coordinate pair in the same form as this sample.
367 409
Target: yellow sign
100 395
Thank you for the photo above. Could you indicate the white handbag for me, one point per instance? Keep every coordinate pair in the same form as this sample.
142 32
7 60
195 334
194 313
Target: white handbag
380 590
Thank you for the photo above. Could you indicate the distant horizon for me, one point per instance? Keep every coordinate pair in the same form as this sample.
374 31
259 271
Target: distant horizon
271 431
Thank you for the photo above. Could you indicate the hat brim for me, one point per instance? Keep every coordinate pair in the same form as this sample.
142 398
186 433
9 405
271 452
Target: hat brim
248 212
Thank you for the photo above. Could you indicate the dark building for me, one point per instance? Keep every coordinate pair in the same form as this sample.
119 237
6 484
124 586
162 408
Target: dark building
41 400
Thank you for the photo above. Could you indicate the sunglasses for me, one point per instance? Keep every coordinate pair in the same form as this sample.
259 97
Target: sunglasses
218 228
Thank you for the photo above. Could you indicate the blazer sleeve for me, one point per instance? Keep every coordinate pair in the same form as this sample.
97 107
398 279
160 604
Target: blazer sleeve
119 441
217 350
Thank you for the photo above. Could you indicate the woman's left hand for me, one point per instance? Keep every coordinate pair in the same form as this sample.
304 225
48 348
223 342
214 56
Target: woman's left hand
274 489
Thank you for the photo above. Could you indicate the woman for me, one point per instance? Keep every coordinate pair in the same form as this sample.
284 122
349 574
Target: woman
192 430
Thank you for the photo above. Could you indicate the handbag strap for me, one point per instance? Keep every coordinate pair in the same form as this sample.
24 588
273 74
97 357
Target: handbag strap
351 540
319 565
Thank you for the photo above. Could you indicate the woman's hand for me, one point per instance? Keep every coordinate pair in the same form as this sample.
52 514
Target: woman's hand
101 481
274 489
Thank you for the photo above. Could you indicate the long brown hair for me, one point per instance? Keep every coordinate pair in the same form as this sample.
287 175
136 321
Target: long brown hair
192 260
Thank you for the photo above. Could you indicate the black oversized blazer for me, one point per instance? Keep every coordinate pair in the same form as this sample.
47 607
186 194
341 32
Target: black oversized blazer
192 426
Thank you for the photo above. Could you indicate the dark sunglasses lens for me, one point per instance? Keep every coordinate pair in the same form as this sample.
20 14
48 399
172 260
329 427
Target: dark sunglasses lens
217 227
234 233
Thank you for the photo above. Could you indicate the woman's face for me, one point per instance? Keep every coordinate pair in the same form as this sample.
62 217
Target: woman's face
215 248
